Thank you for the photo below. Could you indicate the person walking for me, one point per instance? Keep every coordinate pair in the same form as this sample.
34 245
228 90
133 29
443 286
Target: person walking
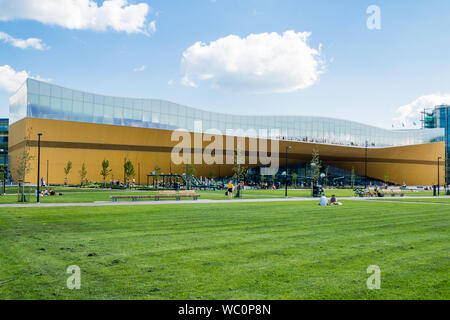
230 190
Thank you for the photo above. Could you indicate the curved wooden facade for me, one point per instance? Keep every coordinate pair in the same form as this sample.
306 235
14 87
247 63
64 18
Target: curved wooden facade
91 143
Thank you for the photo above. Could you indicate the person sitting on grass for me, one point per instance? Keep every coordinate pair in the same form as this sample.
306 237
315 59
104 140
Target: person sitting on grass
333 200
323 200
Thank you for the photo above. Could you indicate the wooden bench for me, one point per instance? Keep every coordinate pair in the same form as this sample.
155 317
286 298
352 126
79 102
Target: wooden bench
160 195
393 193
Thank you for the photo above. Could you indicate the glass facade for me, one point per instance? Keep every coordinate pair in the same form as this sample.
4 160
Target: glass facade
38 99
3 146
442 119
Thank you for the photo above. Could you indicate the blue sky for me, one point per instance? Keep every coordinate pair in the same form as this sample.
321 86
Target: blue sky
366 75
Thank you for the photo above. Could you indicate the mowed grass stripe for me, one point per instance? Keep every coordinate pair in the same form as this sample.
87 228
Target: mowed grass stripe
320 254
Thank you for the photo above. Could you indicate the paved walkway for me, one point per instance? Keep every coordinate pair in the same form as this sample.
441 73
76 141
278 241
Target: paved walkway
205 201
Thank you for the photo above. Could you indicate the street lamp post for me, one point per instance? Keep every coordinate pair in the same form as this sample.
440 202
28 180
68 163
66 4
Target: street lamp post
438 185
365 166
5 175
39 164
286 180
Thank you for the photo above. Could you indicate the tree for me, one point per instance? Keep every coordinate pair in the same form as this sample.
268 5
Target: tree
83 172
190 171
386 177
326 177
294 179
239 173
24 160
67 170
352 177
106 171
128 170
156 171
316 165
23 164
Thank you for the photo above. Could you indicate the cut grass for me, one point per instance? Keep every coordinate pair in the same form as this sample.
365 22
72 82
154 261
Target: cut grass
288 250
427 200
71 195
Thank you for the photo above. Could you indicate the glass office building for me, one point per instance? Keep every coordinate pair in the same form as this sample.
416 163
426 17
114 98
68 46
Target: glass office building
37 99
441 115
3 145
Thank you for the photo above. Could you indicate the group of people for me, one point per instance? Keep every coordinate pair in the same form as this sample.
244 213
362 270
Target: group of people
325 202
46 192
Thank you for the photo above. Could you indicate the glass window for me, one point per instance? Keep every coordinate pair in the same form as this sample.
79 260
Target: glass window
98 99
156 106
44 101
118 113
137 114
33 99
88 108
55 103
67 106
56 91
128 103
44 89
137 104
108 111
66 93
77 95
88 97
147 117
98 110
77 106
147 105
33 86
155 117
173 120
109 101
118 102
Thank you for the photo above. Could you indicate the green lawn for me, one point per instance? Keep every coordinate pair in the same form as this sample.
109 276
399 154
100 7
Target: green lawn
428 200
75 195
287 250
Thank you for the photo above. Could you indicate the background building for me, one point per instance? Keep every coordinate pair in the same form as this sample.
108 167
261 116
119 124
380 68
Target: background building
87 128
3 147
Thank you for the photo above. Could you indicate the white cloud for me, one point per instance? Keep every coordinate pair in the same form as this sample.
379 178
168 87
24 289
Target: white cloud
117 15
11 80
410 113
170 82
188 83
152 27
34 43
140 69
260 63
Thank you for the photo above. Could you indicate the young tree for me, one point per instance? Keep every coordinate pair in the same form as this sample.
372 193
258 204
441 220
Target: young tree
83 173
326 177
190 171
386 177
23 164
24 160
156 170
294 179
239 172
106 171
67 170
128 169
352 177
316 165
